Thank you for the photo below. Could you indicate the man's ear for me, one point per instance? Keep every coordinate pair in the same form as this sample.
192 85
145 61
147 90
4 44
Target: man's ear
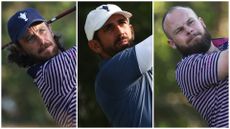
201 21
171 43
95 46
132 31
131 26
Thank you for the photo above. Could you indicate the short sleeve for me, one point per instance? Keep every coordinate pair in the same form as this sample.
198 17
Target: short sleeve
197 73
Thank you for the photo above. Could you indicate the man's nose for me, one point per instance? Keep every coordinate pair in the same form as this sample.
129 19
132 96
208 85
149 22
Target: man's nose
40 39
189 30
119 29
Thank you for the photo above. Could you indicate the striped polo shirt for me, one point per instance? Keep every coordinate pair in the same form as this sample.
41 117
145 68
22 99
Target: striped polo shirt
56 81
197 77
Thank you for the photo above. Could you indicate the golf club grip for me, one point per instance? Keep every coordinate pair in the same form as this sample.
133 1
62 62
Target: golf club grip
62 15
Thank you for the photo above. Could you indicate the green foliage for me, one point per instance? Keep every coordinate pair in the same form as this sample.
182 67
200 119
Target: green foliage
22 105
171 108
90 114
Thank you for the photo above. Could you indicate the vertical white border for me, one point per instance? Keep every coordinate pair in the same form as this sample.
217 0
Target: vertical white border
153 64
77 84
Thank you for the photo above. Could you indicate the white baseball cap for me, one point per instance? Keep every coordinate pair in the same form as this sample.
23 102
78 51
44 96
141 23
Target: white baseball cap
97 18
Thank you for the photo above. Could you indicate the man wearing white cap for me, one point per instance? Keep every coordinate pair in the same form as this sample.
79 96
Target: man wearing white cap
124 82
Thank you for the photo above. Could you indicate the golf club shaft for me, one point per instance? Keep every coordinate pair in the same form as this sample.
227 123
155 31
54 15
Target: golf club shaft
66 12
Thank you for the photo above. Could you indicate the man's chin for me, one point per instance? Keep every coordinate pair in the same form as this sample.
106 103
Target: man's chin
195 40
123 46
46 55
51 51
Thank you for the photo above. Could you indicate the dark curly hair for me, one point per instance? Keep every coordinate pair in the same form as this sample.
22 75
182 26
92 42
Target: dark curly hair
18 56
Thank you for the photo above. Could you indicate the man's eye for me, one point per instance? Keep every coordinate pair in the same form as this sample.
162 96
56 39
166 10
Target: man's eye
123 21
190 22
42 31
108 28
30 38
178 30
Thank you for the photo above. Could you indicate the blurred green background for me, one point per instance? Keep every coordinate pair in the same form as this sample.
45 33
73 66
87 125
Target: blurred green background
90 114
171 108
22 104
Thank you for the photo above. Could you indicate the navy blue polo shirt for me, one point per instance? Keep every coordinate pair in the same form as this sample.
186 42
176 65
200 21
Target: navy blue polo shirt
124 86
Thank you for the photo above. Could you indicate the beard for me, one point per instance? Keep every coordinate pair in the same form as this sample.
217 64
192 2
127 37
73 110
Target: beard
201 45
38 58
114 50
111 51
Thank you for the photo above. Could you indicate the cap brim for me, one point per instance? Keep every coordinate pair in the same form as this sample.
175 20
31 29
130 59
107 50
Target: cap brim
124 13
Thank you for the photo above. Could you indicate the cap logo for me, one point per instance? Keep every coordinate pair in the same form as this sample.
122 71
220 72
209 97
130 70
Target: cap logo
23 16
105 7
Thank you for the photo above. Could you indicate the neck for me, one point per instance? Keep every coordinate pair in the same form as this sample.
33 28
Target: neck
212 48
105 57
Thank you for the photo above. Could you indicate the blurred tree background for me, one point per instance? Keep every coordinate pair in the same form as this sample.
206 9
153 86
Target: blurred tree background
22 104
171 108
90 114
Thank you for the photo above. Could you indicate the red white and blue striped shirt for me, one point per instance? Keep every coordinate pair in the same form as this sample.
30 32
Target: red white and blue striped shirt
56 81
198 80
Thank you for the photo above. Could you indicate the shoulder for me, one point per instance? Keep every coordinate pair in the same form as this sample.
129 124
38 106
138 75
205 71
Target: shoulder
122 58
197 65
199 59
197 71
120 69
140 54
62 60
60 65
69 54
63 57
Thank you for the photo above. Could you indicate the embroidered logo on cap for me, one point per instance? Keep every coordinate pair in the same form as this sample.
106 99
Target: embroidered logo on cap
23 16
105 8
